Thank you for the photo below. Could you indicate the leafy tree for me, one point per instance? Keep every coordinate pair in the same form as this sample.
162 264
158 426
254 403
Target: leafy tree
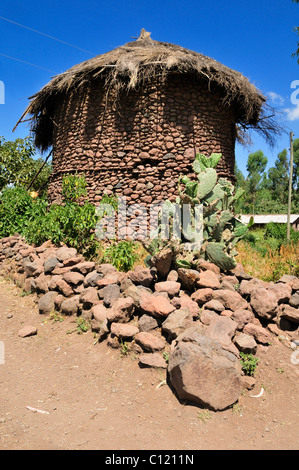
18 165
278 178
256 165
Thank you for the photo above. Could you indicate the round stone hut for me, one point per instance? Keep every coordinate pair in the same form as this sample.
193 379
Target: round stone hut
133 119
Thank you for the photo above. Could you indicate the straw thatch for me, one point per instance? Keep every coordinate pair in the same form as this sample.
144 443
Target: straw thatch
141 61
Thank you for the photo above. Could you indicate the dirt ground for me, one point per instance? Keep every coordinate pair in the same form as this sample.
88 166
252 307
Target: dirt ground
98 400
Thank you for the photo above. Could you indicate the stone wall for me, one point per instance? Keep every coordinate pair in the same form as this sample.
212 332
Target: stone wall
138 143
201 320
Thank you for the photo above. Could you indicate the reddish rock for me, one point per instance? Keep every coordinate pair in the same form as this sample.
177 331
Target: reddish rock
208 279
171 287
65 253
242 317
72 261
105 269
222 330
40 283
124 330
108 280
281 291
155 305
264 303
214 305
226 313
27 330
154 360
201 296
204 265
231 300
188 278
246 343
248 287
150 342
142 276
99 312
89 297
162 262
176 323
64 288
73 278
260 334
202 372
184 301
290 313
84 268
206 316
173 276
121 310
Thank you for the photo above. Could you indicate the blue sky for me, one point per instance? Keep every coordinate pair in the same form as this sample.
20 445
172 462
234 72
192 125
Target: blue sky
254 37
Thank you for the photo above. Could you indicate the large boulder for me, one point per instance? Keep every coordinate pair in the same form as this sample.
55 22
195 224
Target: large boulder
176 323
290 313
155 305
231 300
142 276
264 303
46 303
202 372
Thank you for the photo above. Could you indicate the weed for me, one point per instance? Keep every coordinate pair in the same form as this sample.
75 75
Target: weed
23 293
237 408
82 326
124 348
204 416
55 317
248 363
166 356
122 255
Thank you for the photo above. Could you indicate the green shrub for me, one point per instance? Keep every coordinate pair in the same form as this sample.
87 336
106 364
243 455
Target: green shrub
37 221
249 363
18 211
71 224
122 255
279 232
73 188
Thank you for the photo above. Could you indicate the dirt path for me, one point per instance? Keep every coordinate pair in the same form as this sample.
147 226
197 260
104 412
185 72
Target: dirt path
97 399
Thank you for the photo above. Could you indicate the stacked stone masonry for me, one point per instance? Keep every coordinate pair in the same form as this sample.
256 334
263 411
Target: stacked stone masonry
137 143
202 319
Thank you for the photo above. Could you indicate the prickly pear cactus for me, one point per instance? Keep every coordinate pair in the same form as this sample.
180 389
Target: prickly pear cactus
221 229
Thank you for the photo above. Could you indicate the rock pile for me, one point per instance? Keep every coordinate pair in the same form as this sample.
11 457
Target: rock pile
194 323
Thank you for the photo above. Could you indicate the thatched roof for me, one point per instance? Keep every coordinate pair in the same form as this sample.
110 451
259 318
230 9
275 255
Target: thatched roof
141 61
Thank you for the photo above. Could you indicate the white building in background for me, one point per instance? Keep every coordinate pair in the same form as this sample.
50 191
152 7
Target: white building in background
263 219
